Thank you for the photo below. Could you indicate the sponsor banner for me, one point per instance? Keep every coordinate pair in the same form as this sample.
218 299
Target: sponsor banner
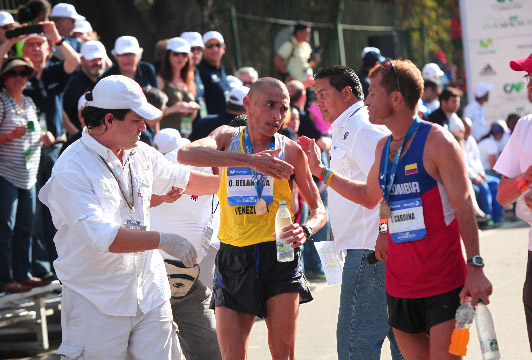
495 32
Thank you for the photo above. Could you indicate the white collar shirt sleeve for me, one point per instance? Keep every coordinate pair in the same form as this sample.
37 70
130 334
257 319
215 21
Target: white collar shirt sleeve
354 140
88 209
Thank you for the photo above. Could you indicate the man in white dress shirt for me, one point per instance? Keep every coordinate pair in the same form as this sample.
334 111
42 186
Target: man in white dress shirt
363 318
475 110
115 301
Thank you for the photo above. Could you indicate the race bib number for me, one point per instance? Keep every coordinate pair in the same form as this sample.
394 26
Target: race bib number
241 188
406 222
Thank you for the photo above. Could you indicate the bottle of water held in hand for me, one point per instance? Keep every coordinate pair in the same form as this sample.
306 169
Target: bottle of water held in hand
486 333
460 337
282 219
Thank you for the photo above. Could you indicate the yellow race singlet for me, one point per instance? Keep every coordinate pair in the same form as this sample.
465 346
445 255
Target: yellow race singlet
239 225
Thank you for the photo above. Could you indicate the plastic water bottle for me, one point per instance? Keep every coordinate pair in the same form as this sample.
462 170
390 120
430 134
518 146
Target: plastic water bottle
283 218
460 337
486 333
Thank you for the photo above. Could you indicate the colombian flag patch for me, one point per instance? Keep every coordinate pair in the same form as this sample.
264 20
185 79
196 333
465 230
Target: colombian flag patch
411 169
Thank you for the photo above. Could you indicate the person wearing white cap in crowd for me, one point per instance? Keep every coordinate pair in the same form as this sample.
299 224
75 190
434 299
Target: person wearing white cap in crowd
46 90
515 165
196 52
6 23
197 219
369 57
127 53
432 71
475 110
93 60
82 29
234 108
176 79
65 15
212 73
115 300
234 81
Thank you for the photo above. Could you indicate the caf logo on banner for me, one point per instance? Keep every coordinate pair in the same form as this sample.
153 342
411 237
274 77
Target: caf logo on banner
511 88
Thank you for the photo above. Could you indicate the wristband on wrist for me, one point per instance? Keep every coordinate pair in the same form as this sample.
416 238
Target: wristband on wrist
322 176
328 183
326 178
59 42
523 185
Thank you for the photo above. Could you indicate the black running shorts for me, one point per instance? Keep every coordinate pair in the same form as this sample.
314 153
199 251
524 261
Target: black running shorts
419 315
246 277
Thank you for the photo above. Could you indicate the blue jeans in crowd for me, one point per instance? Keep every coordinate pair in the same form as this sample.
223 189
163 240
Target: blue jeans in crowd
44 252
486 195
363 316
17 209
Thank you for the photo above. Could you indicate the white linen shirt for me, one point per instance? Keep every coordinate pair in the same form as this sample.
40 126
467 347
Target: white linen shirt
88 209
472 157
517 155
476 113
354 140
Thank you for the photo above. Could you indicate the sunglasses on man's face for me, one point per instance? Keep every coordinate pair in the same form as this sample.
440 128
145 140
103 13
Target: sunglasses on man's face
386 65
197 49
210 46
14 74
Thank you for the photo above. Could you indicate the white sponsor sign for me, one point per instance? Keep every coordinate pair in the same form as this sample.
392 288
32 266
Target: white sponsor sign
495 32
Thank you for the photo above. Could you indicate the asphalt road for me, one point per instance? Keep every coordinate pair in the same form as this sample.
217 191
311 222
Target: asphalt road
504 251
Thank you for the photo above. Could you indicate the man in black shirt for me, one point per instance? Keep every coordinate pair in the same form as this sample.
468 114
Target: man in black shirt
212 73
449 104
93 56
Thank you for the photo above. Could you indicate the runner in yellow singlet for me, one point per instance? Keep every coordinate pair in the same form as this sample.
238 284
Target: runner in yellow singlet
249 281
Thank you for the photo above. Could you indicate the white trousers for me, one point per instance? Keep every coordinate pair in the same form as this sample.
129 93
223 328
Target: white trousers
89 334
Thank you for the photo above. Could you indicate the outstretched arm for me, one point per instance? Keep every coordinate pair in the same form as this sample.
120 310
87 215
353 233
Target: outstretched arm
209 152
367 194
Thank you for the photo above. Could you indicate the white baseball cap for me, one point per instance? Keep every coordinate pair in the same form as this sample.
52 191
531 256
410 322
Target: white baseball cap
178 45
6 19
93 49
213 35
82 26
370 49
121 92
193 38
167 140
127 45
66 10
432 70
82 101
237 95
34 36
482 89
234 81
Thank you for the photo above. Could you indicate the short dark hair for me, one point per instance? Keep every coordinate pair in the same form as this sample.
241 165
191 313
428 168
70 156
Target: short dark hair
340 77
450 92
432 84
407 75
94 116
240 120
155 97
300 26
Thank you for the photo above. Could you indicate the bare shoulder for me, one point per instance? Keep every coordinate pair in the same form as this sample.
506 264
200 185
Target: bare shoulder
440 142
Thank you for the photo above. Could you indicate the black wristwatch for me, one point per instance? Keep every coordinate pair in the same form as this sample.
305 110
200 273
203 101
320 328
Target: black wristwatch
307 230
476 261
59 42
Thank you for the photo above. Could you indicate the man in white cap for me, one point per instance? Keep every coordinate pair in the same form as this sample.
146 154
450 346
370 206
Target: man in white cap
65 15
81 30
93 58
115 292
212 73
515 165
235 107
369 57
128 53
6 23
475 110
433 72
